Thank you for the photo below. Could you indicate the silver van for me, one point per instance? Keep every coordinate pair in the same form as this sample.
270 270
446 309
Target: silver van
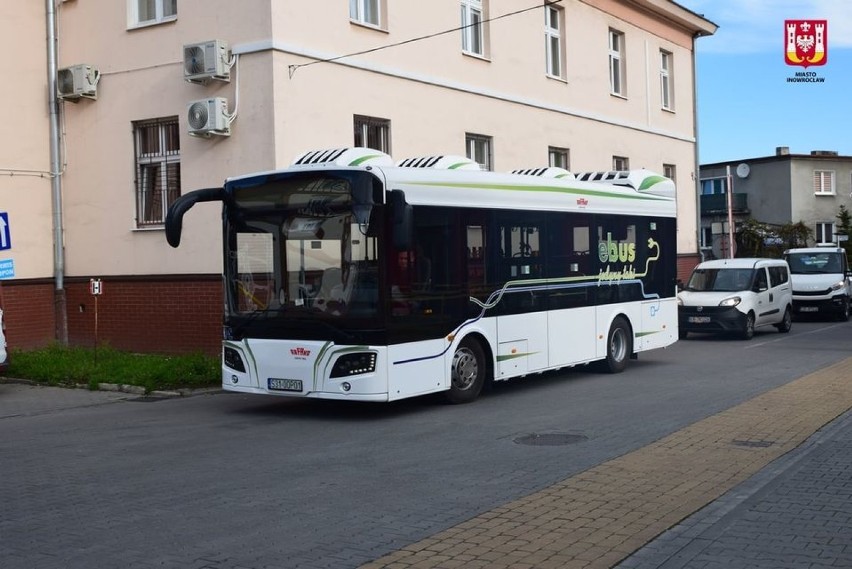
736 296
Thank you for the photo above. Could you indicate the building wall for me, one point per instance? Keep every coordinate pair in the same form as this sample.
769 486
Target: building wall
811 208
780 188
430 91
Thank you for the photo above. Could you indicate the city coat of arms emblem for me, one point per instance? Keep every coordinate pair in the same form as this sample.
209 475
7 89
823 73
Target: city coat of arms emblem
806 42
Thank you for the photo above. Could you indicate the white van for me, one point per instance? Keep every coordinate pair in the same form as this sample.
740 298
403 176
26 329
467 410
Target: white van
822 283
4 357
736 296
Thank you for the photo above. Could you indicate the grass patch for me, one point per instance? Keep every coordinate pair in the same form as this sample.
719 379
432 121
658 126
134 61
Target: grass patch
59 365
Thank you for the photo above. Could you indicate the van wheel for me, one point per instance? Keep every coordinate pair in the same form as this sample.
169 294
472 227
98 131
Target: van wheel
843 315
682 334
747 333
619 346
786 323
467 375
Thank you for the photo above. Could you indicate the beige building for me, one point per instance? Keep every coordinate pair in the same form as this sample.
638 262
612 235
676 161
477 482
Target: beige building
582 84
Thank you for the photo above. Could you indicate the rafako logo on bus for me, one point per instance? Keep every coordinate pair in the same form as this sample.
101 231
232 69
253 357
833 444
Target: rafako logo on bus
300 352
620 254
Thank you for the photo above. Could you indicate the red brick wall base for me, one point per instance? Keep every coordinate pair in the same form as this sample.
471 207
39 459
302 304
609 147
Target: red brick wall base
152 314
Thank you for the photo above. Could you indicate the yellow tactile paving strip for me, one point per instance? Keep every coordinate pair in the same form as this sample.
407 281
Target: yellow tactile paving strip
602 515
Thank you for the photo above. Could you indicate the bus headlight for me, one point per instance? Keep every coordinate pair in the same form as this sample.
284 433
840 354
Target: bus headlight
233 360
732 301
354 364
838 285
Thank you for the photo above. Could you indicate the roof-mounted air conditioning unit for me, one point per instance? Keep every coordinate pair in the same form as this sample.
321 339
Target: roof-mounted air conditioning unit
205 61
77 81
209 117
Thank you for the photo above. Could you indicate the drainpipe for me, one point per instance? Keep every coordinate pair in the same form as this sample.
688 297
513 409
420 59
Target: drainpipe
59 300
697 180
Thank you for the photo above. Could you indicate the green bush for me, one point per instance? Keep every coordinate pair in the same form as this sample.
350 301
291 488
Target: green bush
59 365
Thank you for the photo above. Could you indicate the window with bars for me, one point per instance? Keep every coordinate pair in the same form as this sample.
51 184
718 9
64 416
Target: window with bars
824 232
157 145
666 85
147 12
620 163
824 182
479 149
473 31
553 41
670 171
366 12
616 63
371 132
558 157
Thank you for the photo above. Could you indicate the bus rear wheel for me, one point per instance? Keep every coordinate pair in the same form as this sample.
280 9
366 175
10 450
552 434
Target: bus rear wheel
468 372
619 346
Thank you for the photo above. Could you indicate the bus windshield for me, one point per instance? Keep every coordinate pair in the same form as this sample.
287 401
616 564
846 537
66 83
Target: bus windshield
298 247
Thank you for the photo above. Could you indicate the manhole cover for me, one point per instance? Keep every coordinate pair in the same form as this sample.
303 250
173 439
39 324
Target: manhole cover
550 439
752 444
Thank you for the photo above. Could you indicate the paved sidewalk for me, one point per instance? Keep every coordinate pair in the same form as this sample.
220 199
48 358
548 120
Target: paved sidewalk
25 398
602 516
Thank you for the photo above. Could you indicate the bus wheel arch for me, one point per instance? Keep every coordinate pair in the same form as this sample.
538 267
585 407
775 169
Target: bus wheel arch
470 369
619 344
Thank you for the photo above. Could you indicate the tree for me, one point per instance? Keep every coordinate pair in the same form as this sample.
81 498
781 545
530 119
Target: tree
759 239
844 227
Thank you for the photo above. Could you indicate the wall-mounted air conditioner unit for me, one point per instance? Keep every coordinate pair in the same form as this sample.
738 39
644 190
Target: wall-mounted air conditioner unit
205 61
77 81
208 117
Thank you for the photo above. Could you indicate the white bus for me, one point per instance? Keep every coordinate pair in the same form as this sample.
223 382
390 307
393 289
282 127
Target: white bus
348 277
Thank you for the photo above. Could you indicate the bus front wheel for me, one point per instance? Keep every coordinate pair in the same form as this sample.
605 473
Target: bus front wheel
619 346
468 372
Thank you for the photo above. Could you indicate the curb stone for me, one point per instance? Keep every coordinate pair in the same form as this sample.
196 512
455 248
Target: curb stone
123 388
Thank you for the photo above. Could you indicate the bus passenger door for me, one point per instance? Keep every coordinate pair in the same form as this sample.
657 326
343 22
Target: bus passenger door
522 308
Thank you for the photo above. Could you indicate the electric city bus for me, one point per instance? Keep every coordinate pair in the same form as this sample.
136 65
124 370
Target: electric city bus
349 277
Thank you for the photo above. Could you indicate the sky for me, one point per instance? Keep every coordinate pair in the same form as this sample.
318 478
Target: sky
746 106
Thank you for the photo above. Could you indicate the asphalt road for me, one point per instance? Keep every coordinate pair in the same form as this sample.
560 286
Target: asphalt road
228 480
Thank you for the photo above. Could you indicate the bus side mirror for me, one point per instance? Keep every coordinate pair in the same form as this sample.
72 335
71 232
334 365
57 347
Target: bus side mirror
401 220
174 217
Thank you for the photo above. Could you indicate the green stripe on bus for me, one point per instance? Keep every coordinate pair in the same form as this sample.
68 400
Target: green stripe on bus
576 191
650 181
358 161
514 356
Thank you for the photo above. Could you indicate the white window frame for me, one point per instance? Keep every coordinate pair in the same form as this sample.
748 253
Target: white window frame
617 79
666 80
821 188
553 44
160 16
473 28
722 185
382 128
559 157
819 231
360 10
161 157
620 163
480 149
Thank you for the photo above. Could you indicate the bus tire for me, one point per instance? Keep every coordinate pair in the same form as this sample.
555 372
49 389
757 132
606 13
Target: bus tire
467 374
619 346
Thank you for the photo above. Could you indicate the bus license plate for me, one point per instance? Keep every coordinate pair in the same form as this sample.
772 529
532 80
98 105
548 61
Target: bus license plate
276 384
699 319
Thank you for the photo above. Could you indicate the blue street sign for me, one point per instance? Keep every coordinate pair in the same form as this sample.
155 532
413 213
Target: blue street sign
5 234
7 269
